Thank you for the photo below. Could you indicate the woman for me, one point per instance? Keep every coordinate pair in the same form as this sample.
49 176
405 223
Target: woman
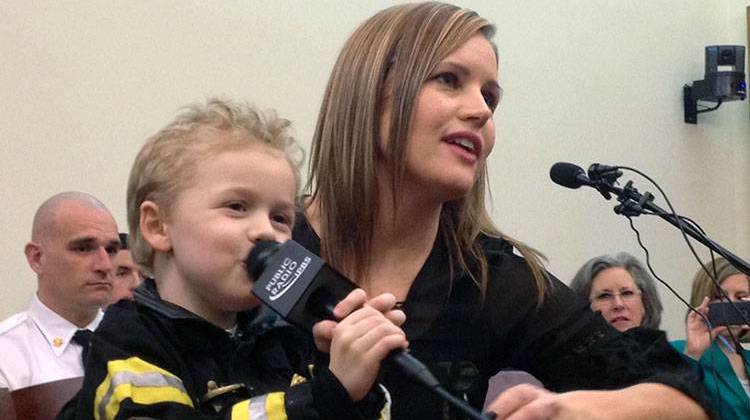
621 289
718 353
397 182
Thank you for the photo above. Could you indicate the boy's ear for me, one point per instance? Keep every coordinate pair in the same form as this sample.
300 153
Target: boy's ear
153 227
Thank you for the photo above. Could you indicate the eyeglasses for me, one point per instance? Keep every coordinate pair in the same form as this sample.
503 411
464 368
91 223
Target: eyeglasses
626 295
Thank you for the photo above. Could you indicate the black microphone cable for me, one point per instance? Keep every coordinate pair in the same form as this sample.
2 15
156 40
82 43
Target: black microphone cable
681 221
572 176
569 173
681 224
674 292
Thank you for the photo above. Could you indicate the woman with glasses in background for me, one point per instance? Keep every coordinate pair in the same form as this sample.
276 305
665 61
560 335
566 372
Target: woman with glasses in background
716 353
621 289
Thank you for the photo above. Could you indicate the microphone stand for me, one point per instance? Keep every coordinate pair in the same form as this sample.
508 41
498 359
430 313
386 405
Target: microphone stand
633 203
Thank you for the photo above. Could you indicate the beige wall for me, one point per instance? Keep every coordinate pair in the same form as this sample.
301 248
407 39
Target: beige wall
83 83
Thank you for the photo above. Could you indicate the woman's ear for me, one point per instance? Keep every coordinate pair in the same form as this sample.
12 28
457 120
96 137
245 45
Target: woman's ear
153 227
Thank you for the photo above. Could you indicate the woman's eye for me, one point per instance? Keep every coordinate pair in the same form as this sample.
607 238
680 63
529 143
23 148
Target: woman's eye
627 293
491 100
604 296
449 79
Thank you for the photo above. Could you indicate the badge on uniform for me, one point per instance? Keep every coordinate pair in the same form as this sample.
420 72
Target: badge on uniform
297 379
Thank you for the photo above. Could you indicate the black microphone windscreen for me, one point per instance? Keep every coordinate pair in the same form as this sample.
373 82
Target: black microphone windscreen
295 283
567 174
256 261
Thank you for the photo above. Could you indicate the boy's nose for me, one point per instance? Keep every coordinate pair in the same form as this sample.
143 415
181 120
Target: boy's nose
262 230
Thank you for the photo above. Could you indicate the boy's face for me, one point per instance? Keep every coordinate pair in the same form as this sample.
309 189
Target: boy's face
235 199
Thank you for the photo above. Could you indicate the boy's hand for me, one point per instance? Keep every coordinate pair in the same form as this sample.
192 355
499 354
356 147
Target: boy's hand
323 330
360 342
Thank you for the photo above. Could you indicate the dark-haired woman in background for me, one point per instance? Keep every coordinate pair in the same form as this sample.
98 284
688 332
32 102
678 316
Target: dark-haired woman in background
621 289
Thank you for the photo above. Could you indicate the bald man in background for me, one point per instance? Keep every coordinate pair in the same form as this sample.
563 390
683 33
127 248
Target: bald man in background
73 240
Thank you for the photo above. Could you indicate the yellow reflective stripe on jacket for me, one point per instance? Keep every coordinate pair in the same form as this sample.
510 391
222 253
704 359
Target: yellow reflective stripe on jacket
275 409
140 381
265 407
241 411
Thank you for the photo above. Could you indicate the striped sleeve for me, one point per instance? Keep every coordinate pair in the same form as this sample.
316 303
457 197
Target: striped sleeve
264 407
139 381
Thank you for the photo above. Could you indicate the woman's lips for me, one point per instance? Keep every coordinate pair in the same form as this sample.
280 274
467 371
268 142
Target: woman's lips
467 141
619 319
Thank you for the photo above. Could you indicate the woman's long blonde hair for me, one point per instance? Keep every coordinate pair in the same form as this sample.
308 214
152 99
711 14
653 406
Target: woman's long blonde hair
395 51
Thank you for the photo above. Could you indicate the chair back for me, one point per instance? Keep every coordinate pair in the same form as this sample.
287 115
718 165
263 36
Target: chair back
44 401
7 412
506 379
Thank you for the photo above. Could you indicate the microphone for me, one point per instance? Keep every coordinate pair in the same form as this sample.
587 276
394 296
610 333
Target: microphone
569 175
303 289
295 283
598 172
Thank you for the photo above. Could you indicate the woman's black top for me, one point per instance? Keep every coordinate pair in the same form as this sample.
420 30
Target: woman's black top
465 339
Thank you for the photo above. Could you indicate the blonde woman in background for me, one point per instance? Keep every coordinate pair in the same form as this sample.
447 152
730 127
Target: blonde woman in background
397 182
717 353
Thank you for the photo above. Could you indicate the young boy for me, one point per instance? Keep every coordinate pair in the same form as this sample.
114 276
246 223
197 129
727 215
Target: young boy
195 343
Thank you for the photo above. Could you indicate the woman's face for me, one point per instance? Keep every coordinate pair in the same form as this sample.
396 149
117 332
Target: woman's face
615 295
737 288
452 130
